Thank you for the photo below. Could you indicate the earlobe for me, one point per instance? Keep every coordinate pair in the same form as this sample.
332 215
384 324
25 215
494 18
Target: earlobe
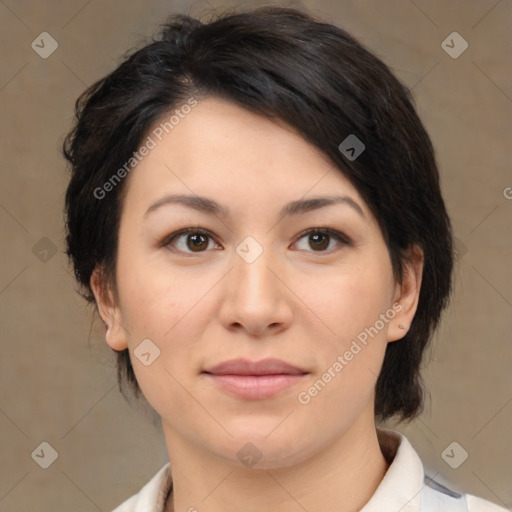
115 335
407 294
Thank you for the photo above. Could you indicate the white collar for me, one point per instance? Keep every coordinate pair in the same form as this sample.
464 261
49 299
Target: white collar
400 488
404 486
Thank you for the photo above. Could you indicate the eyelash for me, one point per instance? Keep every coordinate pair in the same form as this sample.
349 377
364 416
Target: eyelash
325 230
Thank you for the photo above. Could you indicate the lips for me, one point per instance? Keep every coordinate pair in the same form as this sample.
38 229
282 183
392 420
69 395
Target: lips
255 380
269 366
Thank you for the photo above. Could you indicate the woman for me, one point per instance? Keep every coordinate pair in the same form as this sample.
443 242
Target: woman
254 209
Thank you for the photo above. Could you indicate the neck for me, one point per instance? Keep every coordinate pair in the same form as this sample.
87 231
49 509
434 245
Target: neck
340 478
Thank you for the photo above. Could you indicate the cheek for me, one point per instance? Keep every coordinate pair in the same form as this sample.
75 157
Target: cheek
153 301
167 310
350 299
351 305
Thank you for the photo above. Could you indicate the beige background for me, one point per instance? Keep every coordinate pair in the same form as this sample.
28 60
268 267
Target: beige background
57 375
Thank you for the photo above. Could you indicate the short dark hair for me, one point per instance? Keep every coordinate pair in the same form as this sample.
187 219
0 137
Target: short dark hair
286 65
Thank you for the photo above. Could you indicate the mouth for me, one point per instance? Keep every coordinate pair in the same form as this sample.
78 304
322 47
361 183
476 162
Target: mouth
255 380
269 366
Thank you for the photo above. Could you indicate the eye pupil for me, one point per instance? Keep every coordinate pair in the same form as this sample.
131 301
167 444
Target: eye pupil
316 236
194 238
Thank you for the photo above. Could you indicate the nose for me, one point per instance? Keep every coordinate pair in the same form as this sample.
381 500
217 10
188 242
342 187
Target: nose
257 298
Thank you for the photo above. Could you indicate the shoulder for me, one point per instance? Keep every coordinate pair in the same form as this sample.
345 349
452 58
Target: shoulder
152 496
406 485
436 497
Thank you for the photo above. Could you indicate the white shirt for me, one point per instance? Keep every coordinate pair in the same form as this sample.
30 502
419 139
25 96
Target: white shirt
404 488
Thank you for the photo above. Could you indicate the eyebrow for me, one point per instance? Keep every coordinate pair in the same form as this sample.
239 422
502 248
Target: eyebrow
211 207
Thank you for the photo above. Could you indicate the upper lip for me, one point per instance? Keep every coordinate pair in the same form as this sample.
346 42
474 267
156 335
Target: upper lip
270 366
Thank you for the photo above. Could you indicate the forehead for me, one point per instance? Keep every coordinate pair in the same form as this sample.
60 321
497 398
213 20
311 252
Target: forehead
219 147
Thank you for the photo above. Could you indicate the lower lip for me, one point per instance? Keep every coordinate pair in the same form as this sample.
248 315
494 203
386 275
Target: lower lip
255 387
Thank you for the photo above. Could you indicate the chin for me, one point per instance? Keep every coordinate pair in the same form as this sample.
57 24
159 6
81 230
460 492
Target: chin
264 448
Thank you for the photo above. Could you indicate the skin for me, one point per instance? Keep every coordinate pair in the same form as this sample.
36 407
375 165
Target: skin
296 302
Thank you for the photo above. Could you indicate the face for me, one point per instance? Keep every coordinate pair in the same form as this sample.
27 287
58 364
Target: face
267 273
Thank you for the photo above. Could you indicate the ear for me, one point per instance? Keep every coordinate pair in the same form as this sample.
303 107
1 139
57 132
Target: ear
407 294
109 312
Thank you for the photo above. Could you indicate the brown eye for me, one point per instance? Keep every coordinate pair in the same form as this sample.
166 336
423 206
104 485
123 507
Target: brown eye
319 239
190 240
197 242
